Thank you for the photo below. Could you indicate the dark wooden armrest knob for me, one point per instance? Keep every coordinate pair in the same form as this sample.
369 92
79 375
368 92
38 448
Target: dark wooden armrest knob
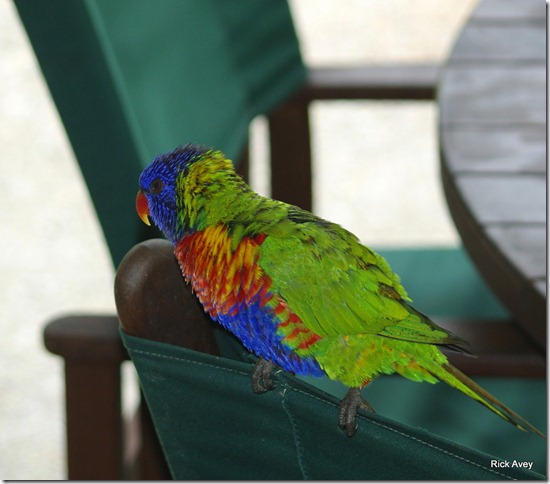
154 302
85 338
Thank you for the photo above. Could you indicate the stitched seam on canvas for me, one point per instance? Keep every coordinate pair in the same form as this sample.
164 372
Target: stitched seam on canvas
416 439
295 433
176 358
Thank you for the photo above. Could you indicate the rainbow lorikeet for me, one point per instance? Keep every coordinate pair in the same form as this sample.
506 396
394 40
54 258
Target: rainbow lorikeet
300 292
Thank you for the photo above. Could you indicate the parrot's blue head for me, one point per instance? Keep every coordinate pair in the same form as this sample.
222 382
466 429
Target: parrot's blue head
157 197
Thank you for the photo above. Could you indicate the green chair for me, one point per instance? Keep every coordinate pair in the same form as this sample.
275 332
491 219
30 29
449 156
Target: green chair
134 78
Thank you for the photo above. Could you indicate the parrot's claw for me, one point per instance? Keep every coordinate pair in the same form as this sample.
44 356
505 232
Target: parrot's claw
348 410
261 376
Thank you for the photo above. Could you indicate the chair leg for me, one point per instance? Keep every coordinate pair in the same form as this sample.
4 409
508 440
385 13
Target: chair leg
290 149
153 463
143 459
243 165
94 425
93 352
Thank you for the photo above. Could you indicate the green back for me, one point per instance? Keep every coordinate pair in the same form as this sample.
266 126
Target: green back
134 78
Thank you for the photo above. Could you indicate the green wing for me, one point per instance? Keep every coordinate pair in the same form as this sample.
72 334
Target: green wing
338 286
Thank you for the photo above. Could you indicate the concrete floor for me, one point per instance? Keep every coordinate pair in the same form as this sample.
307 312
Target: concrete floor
54 259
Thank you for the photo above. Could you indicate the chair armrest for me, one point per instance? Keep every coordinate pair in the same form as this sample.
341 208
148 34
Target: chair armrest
153 301
85 337
394 81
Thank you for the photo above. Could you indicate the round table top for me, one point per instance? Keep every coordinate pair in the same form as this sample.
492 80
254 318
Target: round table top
492 129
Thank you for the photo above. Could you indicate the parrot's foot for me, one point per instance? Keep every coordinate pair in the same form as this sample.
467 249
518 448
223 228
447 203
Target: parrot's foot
348 410
261 376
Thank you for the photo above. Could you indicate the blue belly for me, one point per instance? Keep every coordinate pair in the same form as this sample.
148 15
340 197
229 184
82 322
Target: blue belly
256 327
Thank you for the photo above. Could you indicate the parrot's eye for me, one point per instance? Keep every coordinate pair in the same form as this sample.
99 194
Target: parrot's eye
156 186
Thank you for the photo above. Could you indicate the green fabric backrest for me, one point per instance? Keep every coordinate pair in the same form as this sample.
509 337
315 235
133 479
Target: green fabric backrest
133 78
212 426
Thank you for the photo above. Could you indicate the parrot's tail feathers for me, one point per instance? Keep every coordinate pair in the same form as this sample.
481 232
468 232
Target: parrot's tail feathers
460 381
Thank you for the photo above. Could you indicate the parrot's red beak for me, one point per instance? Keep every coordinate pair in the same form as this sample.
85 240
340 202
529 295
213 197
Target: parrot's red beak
142 207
